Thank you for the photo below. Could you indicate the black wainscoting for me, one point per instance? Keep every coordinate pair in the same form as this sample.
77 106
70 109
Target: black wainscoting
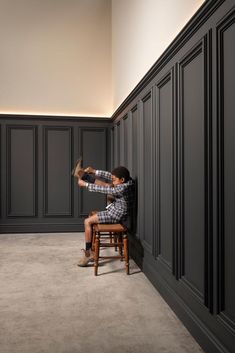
38 193
175 132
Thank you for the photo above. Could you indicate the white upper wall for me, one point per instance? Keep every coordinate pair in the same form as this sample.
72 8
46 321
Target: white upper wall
81 57
55 57
141 31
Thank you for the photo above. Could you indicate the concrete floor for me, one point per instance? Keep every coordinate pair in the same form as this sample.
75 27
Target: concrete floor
50 305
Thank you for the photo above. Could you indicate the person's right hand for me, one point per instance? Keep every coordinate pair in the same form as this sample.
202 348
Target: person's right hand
82 183
90 170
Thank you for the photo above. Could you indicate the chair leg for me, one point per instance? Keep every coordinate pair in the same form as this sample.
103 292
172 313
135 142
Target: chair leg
126 254
120 245
93 239
97 254
115 240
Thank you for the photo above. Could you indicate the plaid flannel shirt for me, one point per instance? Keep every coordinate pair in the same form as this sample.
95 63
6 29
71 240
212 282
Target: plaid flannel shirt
123 195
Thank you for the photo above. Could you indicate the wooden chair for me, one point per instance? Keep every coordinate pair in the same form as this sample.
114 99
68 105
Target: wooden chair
110 235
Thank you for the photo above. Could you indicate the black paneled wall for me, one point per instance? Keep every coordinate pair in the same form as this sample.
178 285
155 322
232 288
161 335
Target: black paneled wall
176 134
38 192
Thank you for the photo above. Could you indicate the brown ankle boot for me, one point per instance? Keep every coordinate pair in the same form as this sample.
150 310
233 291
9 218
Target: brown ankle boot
77 162
88 256
78 171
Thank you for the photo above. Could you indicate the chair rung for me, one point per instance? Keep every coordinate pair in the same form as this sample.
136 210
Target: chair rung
112 257
110 245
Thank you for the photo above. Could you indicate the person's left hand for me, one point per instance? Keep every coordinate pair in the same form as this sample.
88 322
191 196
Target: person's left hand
81 183
90 170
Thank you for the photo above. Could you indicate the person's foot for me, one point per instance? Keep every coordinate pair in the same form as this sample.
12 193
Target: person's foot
88 256
78 162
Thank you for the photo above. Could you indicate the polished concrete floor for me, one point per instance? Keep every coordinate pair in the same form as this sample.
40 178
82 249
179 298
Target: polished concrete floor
50 305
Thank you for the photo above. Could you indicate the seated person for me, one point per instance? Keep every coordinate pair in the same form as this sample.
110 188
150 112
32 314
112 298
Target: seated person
121 187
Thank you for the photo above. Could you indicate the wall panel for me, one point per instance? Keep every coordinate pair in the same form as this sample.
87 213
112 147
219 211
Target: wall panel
192 170
58 184
21 171
117 144
195 170
147 171
195 162
135 141
134 157
164 151
226 161
93 147
126 142
1 171
112 137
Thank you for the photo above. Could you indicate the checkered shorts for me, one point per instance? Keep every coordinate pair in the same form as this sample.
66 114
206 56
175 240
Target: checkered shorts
105 217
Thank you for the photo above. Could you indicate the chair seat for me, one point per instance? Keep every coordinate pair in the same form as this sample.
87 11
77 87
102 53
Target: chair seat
115 228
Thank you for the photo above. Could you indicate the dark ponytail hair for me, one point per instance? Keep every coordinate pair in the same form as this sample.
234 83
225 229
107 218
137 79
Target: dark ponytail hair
121 172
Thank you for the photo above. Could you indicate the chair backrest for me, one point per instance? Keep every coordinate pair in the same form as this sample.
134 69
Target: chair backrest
130 220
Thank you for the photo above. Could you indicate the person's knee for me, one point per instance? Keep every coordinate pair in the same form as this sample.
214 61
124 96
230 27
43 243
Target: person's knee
86 222
89 221
92 213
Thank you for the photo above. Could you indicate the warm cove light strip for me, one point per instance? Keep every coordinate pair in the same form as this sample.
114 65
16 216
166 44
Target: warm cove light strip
54 114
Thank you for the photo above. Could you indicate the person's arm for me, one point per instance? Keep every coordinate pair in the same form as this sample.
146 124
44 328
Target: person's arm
106 189
90 170
102 189
100 173
104 175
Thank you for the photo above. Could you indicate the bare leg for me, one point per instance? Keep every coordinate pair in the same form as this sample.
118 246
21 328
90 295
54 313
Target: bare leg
103 183
88 227
87 253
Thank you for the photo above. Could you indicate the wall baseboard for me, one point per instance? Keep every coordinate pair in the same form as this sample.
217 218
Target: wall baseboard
41 228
